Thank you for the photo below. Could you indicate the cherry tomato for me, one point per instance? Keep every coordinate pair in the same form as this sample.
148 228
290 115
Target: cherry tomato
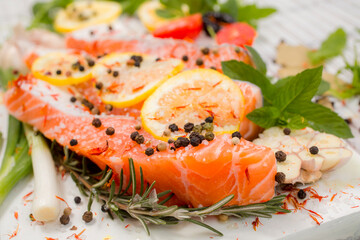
240 34
186 27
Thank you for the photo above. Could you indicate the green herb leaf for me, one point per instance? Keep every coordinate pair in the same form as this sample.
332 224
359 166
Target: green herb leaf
6 76
265 117
259 63
323 87
300 88
331 47
165 13
324 120
230 7
242 71
252 13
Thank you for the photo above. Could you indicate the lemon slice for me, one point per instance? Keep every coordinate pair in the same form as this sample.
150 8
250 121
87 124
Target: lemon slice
191 97
63 68
127 82
148 16
81 14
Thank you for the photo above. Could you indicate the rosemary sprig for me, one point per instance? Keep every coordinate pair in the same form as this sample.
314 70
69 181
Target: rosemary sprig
146 207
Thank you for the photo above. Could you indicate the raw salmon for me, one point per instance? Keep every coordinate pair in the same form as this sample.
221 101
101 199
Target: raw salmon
198 176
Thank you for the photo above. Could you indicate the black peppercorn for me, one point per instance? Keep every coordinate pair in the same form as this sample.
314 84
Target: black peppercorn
280 177
195 140
99 85
109 107
177 143
170 140
95 111
314 150
236 134
287 131
73 99
157 59
110 131
133 135
188 127
137 64
115 73
73 142
173 127
109 71
301 194
64 219
185 58
348 120
209 119
96 122
183 141
77 199
58 72
140 139
149 151
90 62
199 62
205 51
81 68
280 156
104 208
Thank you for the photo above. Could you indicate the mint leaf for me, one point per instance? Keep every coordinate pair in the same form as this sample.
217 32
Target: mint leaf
265 117
230 7
165 13
6 76
323 87
331 47
323 119
297 89
259 63
242 71
295 121
252 13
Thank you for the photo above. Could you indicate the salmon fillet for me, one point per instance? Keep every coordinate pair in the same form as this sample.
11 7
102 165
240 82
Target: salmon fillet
198 176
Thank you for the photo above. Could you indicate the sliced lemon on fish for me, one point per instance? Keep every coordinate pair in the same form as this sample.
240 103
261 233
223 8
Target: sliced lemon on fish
129 78
81 14
63 68
148 16
191 97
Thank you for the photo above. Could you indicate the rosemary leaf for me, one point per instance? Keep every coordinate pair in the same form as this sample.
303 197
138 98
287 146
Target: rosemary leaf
204 225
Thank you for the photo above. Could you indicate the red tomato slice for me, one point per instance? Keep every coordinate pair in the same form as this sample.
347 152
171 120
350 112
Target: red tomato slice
187 27
240 34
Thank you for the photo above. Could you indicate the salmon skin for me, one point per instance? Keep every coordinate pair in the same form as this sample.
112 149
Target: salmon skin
163 48
198 176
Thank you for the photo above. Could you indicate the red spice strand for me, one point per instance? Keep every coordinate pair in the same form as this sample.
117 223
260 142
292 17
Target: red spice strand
127 226
99 150
247 174
62 200
355 207
314 218
16 215
49 238
256 223
216 84
14 234
333 196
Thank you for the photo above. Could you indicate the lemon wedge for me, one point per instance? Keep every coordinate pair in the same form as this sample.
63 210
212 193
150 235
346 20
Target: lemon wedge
191 97
81 14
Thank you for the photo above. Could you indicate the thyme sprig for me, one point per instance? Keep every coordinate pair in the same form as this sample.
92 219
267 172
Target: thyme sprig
145 205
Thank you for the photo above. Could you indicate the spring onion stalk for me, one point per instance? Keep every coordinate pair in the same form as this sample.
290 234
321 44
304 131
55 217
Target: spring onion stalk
46 207
16 163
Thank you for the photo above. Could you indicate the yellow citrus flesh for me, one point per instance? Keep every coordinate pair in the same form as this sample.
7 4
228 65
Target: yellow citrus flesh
148 16
191 97
81 14
125 85
58 68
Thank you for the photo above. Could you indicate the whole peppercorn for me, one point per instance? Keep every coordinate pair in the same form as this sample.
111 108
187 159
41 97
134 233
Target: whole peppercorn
90 62
81 68
115 73
314 150
199 62
137 127
161 147
73 99
95 111
149 151
280 156
223 217
236 134
205 51
287 131
133 135
188 127
197 128
170 140
195 140
185 58
64 219
348 120
173 127
184 141
104 208
109 71
137 64
67 211
87 216
209 120
108 107
301 194
213 68
77 199
208 127
140 139
209 136
73 142
87 103
237 50
235 140
110 131
280 177
177 143
96 122
167 133
99 85
58 72
157 59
